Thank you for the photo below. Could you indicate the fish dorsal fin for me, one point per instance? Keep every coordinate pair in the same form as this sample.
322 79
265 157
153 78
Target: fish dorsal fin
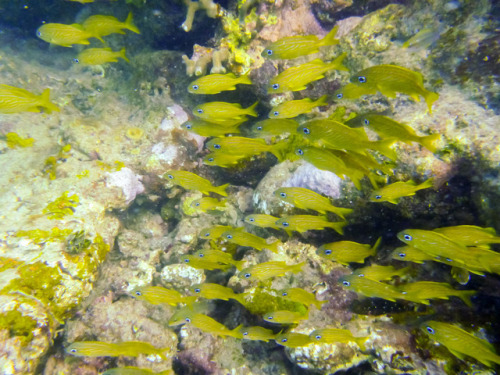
317 61
411 182
77 26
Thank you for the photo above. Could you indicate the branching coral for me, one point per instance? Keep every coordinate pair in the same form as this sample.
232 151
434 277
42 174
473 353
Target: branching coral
202 56
213 10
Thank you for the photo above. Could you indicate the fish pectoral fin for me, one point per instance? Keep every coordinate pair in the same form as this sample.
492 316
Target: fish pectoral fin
457 354
299 88
393 201
387 92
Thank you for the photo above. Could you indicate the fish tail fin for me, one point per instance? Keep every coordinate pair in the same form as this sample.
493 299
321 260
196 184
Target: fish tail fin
236 332
341 211
221 190
129 23
279 150
274 246
329 39
122 55
298 267
429 140
384 147
321 101
466 295
319 304
361 342
189 300
430 98
46 103
377 245
338 226
251 110
240 298
245 79
337 63
239 264
426 184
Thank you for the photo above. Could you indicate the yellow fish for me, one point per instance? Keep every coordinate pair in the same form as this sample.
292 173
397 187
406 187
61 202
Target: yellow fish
435 244
302 296
222 160
257 333
191 181
293 108
210 325
307 199
392 79
291 47
214 232
380 273
129 370
371 288
393 192
264 271
208 129
186 313
63 35
242 238
410 254
15 100
262 220
101 349
461 343
213 255
100 25
303 223
327 161
423 291
293 340
285 317
216 291
424 38
297 78
99 56
353 91
335 135
334 335
271 127
157 295
202 264
243 146
216 83
216 111
345 252
470 235
386 127
208 204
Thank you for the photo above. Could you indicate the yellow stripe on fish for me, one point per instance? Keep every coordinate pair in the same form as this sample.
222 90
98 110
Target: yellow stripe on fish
423 291
293 340
304 223
201 264
15 100
371 288
392 79
102 349
208 204
217 111
222 160
272 127
243 146
216 83
214 232
191 181
99 56
63 35
335 335
216 291
294 108
291 47
208 129
264 271
262 220
345 252
213 255
210 325
393 192
302 296
158 295
470 235
100 25
257 333
380 273
242 238
285 317
297 78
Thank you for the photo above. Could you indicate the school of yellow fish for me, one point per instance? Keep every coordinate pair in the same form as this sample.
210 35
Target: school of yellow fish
342 148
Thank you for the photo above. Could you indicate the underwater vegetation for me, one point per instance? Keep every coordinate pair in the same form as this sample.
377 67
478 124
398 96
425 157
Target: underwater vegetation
309 193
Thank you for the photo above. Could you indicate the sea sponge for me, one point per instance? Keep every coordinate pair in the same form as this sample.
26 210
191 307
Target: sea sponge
213 10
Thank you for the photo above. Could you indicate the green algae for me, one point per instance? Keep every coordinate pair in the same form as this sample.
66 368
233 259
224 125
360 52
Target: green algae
40 236
14 140
18 325
263 299
50 166
61 207
76 242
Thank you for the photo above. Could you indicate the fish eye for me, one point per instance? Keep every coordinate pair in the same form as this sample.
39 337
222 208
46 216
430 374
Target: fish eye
170 176
199 110
284 340
276 113
328 252
201 255
197 290
251 219
285 224
449 260
217 146
306 131
407 237
366 121
188 126
269 52
186 260
210 160
401 255
270 317
138 293
361 79
300 152
346 283
245 333
73 350
247 275
378 197
229 236
275 86
259 127
188 320
340 96
283 195
195 87
430 330
361 275
284 294
197 204
76 61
